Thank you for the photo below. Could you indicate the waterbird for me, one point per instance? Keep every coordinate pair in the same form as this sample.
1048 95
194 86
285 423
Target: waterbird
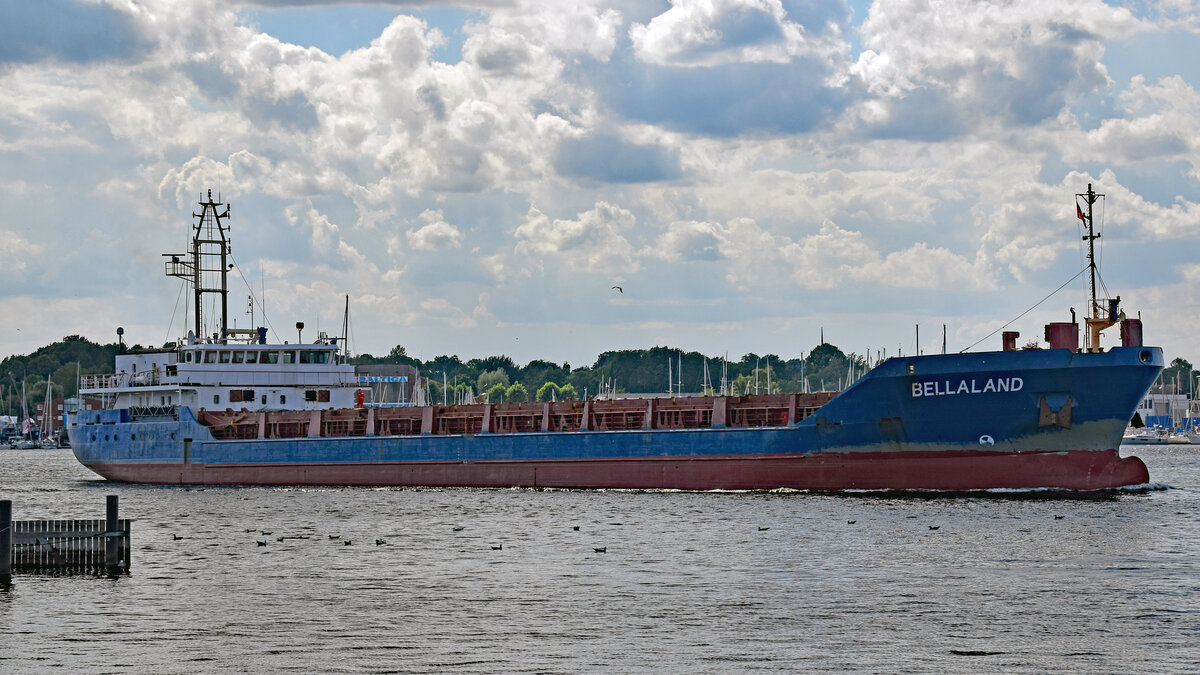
457 529
763 529
498 547
1059 517
575 527
261 542
265 533
934 527
380 542
335 536
602 549
279 538
851 522
249 530
347 542
175 537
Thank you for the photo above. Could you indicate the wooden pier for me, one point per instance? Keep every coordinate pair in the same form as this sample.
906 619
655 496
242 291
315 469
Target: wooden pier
65 546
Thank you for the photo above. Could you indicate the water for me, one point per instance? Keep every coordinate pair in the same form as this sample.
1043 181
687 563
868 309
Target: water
688 583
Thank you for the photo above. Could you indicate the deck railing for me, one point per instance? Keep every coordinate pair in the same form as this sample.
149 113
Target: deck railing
118 380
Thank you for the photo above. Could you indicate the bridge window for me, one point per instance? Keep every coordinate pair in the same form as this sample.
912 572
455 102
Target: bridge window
289 357
251 357
216 399
269 357
282 399
210 357
224 356
239 357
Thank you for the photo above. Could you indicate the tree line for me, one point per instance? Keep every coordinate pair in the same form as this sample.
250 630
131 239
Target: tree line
499 378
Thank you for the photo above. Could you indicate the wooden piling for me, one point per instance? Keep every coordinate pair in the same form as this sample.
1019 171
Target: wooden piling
5 540
112 537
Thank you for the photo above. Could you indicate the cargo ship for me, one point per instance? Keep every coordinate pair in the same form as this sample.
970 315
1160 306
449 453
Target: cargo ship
228 408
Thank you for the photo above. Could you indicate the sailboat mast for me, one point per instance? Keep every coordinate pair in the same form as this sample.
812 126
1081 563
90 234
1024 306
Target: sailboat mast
346 329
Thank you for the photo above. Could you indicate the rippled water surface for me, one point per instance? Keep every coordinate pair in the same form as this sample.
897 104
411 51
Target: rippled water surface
688 582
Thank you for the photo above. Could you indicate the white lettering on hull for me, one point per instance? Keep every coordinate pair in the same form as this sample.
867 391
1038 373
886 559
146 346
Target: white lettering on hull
965 386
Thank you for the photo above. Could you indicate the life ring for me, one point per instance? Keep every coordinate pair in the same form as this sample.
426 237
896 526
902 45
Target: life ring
359 398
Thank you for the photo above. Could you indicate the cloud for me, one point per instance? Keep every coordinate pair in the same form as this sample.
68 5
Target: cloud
428 311
323 232
936 75
16 251
1159 122
608 158
726 100
686 241
834 257
69 31
435 233
729 67
594 242
720 32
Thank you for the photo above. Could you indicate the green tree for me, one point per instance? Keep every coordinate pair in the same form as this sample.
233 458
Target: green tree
1178 376
434 391
496 393
477 367
549 392
517 393
491 378
567 392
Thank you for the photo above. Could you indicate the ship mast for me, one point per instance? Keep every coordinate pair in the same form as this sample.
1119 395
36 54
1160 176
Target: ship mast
206 265
1099 317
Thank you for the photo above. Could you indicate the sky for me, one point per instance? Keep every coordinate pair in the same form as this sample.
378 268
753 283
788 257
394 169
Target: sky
477 177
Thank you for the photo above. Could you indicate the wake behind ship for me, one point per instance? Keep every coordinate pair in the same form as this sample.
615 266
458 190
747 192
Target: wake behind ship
231 409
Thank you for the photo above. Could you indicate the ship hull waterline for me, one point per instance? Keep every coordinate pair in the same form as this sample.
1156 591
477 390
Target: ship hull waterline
966 470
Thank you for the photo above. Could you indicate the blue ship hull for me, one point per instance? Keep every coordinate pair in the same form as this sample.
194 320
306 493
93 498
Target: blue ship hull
1013 419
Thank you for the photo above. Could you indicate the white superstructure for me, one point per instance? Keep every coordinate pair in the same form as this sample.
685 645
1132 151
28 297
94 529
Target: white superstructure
219 376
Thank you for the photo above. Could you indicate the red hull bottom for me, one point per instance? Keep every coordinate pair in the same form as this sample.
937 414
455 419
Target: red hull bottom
962 470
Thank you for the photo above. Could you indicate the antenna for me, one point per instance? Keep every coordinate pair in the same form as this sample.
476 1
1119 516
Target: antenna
1098 317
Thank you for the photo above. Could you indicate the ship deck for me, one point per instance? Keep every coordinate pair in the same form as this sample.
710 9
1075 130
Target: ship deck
774 410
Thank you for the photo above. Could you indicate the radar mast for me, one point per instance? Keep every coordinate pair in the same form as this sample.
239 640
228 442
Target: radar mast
206 266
